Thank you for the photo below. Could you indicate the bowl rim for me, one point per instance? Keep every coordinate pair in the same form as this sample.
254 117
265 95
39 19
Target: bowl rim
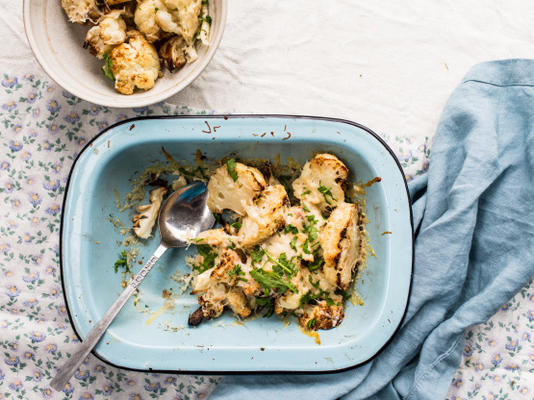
129 101
88 145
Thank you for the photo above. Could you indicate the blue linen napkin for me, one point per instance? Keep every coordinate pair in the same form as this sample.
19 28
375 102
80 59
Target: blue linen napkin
474 219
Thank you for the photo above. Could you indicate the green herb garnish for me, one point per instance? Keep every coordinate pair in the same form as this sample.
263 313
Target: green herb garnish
267 304
107 68
237 225
286 266
311 323
257 255
305 247
122 262
291 229
238 272
271 280
293 243
326 192
310 228
208 257
230 165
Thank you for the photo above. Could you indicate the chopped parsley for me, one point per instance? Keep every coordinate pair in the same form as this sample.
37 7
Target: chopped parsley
122 262
305 247
267 304
293 243
326 192
319 295
237 225
344 293
257 255
208 257
107 68
230 165
311 323
282 265
310 229
291 229
270 280
305 208
238 272
207 18
316 263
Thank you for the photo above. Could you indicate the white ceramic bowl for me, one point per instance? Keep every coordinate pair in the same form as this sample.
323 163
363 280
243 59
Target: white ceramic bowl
57 45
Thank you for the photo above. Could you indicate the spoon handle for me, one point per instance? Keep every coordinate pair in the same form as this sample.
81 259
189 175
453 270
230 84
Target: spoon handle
64 374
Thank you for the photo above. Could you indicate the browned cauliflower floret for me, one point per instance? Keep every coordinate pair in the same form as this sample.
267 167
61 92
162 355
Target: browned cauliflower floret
179 17
78 11
264 217
341 242
217 287
322 316
215 237
227 194
110 31
320 182
134 64
238 302
185 14
145 18
146 219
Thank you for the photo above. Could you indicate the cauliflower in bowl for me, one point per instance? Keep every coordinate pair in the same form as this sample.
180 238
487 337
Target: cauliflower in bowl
136 37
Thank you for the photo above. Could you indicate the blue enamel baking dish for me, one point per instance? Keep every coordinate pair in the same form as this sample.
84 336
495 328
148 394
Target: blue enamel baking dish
89 248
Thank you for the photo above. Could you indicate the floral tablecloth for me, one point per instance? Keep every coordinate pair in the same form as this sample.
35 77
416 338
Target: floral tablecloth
42 128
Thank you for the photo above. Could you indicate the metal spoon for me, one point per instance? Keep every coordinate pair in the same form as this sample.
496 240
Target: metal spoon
183 215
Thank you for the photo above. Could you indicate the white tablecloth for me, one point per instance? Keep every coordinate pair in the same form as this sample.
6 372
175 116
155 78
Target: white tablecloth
389 65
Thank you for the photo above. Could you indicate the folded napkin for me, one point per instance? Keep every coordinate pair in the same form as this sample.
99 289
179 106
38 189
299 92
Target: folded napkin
474 248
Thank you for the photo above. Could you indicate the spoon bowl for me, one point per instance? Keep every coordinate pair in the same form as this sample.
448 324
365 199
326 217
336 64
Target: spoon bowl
184 215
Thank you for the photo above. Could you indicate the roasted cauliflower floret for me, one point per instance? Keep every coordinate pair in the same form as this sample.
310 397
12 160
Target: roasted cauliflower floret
320 182
217 287
78 11
110 31
94 42
134 64
215 237
264 217
213 300
112 28
341 242
227 194
173 53
238 303
145 18
322 316
146 219
180 17
186 13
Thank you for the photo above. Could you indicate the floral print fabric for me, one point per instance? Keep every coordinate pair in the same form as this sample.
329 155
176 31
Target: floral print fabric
42 129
